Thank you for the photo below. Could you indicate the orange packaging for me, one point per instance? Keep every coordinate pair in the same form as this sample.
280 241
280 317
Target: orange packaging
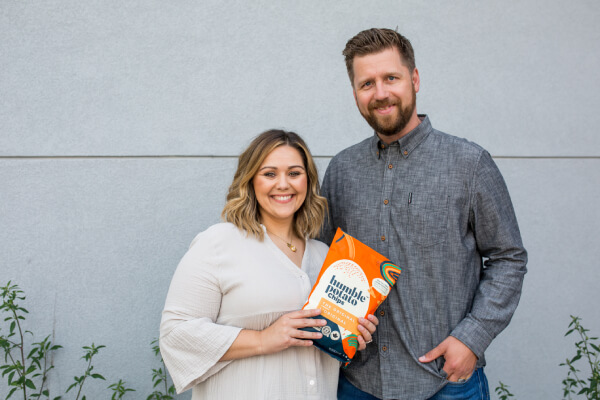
353 282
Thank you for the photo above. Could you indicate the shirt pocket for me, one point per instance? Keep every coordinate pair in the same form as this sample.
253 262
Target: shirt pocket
427 218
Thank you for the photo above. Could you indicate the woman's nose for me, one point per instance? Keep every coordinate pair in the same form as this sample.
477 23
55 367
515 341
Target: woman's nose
282 182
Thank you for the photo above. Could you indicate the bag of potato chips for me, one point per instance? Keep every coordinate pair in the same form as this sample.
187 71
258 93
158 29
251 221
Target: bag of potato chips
353 282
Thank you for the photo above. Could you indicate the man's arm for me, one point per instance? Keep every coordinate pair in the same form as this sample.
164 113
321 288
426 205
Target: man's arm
498 239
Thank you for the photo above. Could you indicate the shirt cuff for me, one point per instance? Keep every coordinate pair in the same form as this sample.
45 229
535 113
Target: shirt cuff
473 335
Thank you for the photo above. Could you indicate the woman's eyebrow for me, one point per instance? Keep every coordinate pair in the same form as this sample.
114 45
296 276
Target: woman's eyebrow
290 167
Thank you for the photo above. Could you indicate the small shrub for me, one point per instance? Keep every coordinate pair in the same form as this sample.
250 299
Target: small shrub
588 352
26 371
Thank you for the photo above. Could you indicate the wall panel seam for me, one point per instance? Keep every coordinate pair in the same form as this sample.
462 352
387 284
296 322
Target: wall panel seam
236 156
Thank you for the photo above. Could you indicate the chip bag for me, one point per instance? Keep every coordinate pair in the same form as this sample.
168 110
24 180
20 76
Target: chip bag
353 282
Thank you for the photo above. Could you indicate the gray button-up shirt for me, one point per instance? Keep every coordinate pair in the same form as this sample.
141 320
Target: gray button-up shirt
437 206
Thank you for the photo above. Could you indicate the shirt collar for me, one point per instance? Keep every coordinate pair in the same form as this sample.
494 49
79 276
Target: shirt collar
408 142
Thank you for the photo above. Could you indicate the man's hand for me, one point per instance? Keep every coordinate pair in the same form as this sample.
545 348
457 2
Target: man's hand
460 360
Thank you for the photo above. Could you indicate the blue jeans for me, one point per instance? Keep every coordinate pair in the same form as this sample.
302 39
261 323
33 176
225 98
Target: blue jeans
476 388
347 391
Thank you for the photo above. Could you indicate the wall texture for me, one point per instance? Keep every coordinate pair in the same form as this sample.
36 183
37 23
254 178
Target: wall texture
120 123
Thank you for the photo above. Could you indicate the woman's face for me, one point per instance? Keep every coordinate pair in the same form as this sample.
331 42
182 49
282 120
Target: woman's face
280 185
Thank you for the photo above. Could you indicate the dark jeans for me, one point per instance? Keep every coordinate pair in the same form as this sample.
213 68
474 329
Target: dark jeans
476 388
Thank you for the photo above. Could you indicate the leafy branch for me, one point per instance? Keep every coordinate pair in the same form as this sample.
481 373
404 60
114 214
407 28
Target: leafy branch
503 392
20 369
159 377
588 350
119 390
91 351
24 368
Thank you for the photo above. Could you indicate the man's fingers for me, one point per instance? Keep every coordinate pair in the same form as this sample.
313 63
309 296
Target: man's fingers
431 355
458 378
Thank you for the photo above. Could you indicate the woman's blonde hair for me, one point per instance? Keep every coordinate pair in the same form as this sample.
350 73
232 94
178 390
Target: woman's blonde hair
242 208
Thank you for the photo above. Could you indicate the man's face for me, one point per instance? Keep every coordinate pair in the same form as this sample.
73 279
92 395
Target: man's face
385 93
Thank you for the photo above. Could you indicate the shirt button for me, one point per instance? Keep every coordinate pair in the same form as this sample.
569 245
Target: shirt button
383 348
311 382
383 238
405 153
382 313
386 201
390 166
382 146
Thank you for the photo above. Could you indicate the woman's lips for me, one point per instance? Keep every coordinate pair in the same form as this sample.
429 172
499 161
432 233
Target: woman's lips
285 198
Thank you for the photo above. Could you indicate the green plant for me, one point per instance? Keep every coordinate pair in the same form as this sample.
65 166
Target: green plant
119 390
503 392
587 350
27 370
90 352
159 377
21 367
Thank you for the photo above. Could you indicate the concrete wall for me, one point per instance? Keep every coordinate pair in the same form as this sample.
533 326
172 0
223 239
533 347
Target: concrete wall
120 123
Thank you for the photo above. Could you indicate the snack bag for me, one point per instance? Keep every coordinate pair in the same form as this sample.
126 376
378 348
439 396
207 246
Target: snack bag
353 282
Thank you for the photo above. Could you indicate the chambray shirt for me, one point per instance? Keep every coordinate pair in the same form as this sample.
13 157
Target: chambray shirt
438 207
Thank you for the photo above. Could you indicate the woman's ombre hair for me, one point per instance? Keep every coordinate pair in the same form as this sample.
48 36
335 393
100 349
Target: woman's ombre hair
242 208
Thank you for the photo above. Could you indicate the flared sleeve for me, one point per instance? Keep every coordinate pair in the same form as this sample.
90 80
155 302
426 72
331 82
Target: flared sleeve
191 342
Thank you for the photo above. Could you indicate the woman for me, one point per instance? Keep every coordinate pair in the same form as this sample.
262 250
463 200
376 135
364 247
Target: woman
227 330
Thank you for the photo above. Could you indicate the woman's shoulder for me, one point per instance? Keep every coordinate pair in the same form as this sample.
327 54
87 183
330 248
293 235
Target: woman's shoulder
218 232
215 243
318 247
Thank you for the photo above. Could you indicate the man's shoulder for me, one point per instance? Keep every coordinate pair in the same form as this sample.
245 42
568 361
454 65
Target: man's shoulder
455 144
352 153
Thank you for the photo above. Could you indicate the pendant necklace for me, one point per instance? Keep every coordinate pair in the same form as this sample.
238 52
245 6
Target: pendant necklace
289 244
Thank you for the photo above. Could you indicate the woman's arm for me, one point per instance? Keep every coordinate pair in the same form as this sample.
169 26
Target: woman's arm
284 333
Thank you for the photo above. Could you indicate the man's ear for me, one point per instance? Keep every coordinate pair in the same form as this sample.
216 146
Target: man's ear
416 80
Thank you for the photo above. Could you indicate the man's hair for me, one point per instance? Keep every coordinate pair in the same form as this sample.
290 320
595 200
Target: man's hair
376 40
242 207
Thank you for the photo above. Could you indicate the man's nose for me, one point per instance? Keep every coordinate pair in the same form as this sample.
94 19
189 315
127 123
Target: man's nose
381 92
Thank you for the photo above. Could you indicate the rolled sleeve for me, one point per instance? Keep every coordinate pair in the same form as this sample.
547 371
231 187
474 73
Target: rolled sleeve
191 342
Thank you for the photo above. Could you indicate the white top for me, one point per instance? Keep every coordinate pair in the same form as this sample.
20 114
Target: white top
228 281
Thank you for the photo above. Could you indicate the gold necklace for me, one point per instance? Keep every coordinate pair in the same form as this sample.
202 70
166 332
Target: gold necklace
289 244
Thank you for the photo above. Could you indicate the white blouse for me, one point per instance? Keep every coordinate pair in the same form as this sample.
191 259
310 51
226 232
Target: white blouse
228 281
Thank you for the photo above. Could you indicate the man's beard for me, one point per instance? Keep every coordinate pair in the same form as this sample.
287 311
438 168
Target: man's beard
395 125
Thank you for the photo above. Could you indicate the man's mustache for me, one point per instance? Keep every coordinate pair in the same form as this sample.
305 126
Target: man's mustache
381 103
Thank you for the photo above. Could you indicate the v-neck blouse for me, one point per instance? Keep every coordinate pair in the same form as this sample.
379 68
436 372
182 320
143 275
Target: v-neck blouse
226 282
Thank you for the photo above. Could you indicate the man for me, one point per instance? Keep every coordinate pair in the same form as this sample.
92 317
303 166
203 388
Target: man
437 206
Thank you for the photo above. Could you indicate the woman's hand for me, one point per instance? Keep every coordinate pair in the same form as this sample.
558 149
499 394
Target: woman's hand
285 332
367 327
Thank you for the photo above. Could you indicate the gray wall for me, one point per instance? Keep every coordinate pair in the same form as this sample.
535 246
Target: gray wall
120 123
